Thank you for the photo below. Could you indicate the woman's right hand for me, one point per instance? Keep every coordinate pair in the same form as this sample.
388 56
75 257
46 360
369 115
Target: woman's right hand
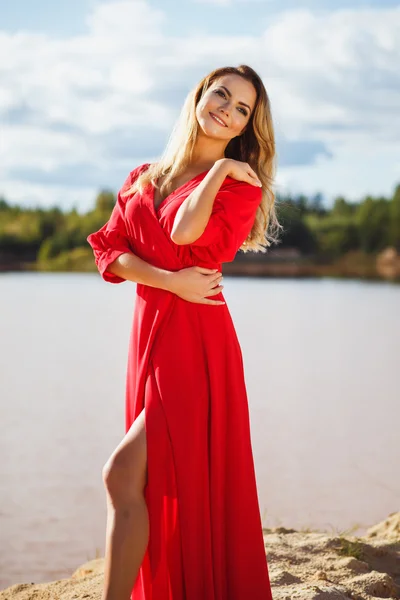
194 284
240 170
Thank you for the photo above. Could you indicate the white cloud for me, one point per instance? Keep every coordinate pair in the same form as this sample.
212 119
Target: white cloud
356 171
231 2
124 21
35 147
217 2
332 77
339 65
47 195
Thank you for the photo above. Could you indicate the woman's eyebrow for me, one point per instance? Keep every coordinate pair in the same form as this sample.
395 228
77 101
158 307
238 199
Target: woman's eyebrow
230 96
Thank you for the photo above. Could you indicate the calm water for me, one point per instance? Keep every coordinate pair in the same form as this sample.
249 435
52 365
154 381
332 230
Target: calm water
322 370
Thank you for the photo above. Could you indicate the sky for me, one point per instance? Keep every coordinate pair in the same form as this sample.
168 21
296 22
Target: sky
90 89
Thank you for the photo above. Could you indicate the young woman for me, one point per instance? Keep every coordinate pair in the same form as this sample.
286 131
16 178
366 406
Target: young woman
183 514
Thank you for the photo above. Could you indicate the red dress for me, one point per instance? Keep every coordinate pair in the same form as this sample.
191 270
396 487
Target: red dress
185 367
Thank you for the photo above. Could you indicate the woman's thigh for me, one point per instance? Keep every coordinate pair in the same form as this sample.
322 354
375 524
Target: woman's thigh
126 470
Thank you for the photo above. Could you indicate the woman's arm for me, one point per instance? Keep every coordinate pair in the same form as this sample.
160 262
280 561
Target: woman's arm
130 267
194 213
117 263
192 284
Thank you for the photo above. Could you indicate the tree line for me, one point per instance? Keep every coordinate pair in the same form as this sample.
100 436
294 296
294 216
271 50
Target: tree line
39 235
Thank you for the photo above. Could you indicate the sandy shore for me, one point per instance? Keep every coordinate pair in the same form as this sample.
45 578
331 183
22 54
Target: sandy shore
303 565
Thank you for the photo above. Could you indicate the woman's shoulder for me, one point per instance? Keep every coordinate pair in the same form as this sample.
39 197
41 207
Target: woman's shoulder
134 174
242 188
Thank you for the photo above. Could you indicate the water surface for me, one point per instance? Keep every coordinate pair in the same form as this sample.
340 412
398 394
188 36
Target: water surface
321 365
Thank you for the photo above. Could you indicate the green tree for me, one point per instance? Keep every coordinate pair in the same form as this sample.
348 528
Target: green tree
335 235
373 219
316 205
296 233
105 201
3 205
342 208
394 214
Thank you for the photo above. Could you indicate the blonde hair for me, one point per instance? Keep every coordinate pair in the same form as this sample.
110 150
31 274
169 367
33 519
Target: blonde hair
255 146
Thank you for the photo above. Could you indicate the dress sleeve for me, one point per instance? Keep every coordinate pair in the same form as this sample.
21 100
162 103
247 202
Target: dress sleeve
112 240
230 223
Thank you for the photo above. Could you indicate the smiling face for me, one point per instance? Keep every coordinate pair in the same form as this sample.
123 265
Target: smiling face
226 107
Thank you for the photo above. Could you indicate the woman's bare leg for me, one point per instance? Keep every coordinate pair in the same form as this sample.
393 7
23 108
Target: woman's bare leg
125 476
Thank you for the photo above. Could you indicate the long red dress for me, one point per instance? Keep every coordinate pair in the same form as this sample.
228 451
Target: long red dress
185 367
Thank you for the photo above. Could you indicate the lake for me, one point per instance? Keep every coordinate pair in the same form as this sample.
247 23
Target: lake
322 370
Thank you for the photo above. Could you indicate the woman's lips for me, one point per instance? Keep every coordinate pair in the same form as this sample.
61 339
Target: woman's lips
218 120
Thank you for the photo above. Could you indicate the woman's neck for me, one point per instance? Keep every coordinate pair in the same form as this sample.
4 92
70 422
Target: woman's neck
206 152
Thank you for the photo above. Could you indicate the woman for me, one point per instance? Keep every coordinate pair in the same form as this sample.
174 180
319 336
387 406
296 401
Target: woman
183 515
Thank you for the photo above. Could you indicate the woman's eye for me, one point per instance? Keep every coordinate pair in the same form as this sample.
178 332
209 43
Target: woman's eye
242 110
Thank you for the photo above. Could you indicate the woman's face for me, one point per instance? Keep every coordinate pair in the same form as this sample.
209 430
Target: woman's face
225 109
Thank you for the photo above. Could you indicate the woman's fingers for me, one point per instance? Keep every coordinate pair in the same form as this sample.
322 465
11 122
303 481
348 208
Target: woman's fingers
214 280
215 291
244 172
213 275
215 286
205 271
215 302
253 178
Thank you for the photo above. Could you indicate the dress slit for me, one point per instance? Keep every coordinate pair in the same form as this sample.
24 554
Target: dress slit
163 559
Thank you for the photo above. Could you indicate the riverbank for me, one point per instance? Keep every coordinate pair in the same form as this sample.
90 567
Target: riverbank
303 565
288 262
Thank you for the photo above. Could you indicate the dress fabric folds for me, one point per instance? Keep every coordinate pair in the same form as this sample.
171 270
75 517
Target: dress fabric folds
185 368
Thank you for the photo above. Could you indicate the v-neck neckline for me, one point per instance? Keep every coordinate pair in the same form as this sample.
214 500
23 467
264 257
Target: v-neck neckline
157 208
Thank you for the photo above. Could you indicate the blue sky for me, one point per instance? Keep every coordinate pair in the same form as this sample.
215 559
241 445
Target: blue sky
91 88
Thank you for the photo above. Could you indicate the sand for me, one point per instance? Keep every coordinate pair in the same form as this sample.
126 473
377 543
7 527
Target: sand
307 565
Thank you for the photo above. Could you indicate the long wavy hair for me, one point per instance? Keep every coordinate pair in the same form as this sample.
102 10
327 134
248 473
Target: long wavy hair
255 146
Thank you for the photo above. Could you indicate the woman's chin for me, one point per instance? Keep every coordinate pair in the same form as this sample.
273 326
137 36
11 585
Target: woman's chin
211 131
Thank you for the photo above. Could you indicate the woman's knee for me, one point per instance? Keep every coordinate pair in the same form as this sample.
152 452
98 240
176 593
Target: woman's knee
114 471
121 479
125 472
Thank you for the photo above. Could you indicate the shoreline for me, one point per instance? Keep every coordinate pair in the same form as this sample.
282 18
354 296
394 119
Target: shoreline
283 263
303 565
